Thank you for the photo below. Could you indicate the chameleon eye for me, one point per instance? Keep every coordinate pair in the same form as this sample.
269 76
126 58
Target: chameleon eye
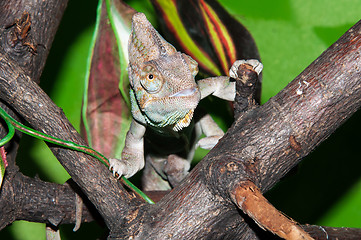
150 80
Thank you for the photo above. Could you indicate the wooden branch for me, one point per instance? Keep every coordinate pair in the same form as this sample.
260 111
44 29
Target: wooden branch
43 22
28 99
263 144
24 198
268 141
249 198
45 17
327 233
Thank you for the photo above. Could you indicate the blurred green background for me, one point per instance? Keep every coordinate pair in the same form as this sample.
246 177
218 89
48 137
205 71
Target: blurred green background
324 190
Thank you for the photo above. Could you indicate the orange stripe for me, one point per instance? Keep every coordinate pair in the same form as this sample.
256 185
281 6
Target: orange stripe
216 41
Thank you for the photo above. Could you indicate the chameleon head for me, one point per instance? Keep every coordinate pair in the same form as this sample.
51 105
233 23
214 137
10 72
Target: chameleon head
164 90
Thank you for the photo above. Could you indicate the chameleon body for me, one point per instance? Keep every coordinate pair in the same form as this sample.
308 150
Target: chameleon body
164 95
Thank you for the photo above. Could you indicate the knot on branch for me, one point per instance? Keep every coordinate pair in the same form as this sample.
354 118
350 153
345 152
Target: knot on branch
222 174
18 41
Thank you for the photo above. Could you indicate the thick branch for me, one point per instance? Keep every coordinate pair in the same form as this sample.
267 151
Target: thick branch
45 17
266 142
24 198
38 30
290 125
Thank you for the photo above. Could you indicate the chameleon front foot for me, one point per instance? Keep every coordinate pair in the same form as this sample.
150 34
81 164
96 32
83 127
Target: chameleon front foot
256 65
122 168
117 167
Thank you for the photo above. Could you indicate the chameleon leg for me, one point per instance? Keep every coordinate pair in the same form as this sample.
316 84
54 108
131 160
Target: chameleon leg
176 168
151 178
212 131
162 173
221 86
133 153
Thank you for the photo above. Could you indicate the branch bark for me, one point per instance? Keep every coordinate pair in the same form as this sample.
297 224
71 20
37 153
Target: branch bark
325 233
263 144
24 198
45 19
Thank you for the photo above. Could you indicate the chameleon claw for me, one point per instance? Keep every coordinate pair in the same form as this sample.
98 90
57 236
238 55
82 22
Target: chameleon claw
123 168
116 167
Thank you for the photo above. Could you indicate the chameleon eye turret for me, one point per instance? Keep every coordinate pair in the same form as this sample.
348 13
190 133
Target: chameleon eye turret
150 80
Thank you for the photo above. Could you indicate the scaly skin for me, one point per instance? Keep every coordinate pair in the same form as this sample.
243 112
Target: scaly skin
164 95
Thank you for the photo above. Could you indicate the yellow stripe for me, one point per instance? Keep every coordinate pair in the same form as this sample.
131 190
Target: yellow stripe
181 33
222 41
216 41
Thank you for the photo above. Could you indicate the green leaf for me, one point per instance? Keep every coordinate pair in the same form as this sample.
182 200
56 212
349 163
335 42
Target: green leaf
3 164
106 114
6 139
206 32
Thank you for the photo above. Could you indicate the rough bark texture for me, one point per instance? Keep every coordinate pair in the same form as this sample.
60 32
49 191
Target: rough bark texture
45 19
325 233
24 198
263 144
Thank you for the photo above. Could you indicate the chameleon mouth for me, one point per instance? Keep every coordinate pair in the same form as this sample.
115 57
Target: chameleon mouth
184 93
184 122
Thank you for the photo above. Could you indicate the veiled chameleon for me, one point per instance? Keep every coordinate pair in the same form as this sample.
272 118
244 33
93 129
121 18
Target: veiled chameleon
164 95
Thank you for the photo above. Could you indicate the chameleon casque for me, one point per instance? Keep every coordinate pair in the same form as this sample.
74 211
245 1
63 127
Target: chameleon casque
164 96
